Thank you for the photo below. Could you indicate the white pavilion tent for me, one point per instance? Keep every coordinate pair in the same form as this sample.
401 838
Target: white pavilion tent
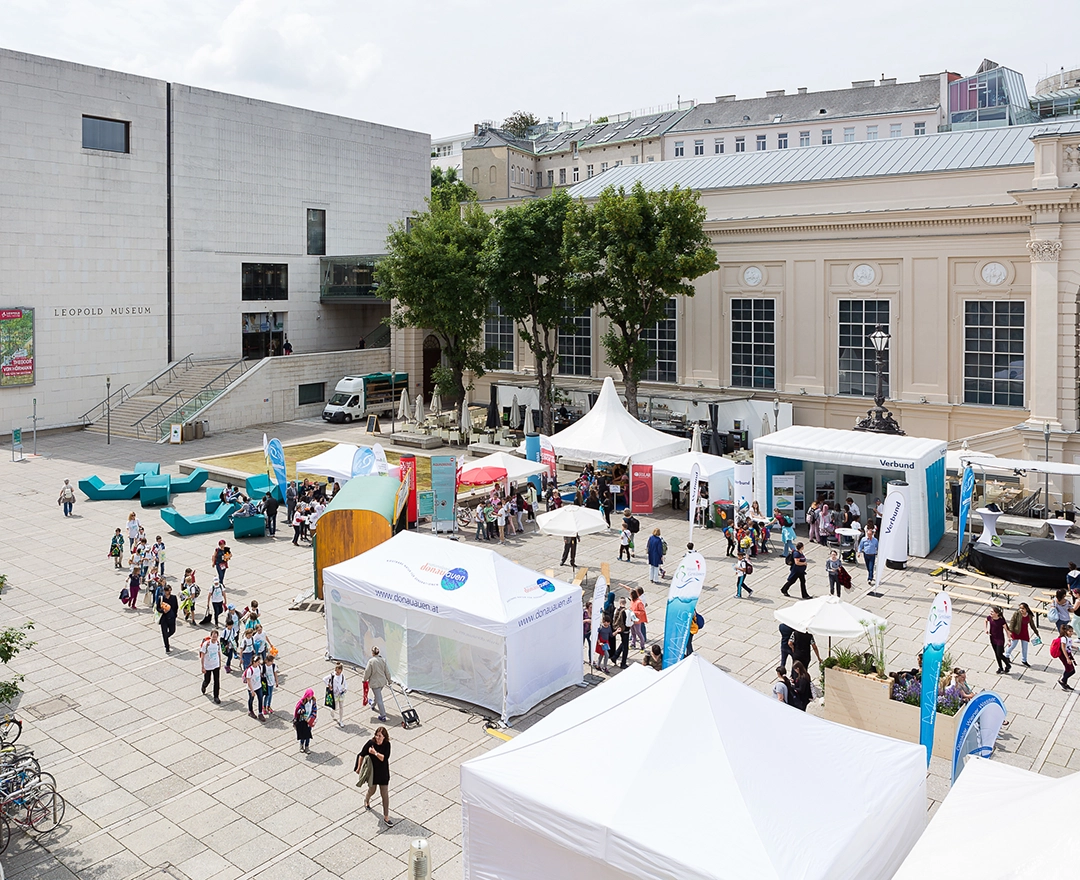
336 463
546 805
607 432
457 620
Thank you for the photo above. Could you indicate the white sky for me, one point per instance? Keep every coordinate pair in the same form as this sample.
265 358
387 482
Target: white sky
440 67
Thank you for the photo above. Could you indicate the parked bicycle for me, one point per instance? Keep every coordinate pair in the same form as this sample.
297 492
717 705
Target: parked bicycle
10 730
38 808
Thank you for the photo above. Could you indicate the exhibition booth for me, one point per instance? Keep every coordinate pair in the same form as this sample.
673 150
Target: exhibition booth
456 620
336 464
548 803
835 465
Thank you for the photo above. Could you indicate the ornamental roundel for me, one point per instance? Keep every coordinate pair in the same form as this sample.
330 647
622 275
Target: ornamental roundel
752 275
864 275
994 274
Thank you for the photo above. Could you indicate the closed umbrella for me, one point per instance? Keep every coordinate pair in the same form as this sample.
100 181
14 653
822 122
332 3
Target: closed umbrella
436 401
530 427
403 407
419 414
466 419
695 441
571 521
493 420
766 425
481 476
515 413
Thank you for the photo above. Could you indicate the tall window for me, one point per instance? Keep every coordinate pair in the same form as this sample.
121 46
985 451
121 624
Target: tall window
871 132
316 231
699 148
264 281
662 343
575 347
740 145
920 128
577 174
634 159
804 138
994 352
826 135
718 145
679 149
781 141
499 333
849 135
896 129
551 177
753 343
603 167
562 176
858 372
588 171
761 142
105 134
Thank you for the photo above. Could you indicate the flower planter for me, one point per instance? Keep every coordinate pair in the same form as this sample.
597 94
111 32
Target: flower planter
863 701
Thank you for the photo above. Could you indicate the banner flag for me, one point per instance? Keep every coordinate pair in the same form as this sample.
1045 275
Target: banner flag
547 456
382 466
967 491
275 457
598 597
695 495
744 486
641 489
363 462
938 623
681 605
977 729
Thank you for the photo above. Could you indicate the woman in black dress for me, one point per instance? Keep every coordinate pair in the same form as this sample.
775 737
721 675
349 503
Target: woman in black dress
803 694
378 748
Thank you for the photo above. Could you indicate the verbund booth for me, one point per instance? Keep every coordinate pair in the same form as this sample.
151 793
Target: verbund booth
859 465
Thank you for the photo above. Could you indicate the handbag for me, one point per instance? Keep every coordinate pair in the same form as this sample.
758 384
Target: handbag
329 700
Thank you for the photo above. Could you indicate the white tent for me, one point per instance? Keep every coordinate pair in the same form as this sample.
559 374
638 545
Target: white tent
545 805
517 469
865 457
971 814
335 463
456 620
712 467
607 432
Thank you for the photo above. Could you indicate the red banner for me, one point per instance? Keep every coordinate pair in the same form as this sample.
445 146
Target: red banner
641 500
408 472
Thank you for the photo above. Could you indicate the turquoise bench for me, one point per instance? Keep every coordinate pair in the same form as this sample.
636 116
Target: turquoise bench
192 482
141 469
213 498
249 526
155 490
97 489
200 524
259 485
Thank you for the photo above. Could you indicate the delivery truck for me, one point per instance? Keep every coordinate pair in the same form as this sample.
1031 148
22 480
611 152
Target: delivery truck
356 397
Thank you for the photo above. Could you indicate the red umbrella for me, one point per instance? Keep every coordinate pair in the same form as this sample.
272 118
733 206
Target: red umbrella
481 476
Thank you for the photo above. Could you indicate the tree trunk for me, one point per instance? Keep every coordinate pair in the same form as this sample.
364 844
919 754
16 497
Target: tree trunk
631 393
544 373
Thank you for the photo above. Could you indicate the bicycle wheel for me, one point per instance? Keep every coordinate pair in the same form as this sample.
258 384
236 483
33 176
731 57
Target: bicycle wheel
45 812
5 833
10 730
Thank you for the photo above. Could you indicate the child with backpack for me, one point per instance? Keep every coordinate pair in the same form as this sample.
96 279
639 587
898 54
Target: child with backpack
1062 649
116 549
743 567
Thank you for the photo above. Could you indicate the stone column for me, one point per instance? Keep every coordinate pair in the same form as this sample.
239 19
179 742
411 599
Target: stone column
1043 382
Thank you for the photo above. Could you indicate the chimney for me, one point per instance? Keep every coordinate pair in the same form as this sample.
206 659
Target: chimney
724 99
888 82
863 84
802 90
775 93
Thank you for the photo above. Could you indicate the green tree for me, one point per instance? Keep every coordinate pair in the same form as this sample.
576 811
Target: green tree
629 254
13 639
448 190
519 122
432 274
525 269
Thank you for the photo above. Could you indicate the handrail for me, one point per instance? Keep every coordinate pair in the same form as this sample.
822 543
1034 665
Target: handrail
200 398
161 405
85 417
170 372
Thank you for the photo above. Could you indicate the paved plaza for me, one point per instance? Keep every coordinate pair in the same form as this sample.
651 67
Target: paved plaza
160 782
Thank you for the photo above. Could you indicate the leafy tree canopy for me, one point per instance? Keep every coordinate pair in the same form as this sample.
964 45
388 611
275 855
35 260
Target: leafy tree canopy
519 122
448 190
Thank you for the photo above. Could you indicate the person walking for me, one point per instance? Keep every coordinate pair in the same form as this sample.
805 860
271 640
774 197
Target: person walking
655 551
377 675
1058 610
169 606
604 635
995 628
801 644
270 507
785 645
337 686
742 569
625 537
220 561
622 633
252 679
478 521
217 600
134 580
378 749
230 637
159 554
676 493
832 569
247 648
813 519
500 518
787 534
1021 628
116 549
210 663
1065 653
868 547
797 572
802 693
133 527
636 616
304 716
269 682
569 548
586 623
67 497
290 501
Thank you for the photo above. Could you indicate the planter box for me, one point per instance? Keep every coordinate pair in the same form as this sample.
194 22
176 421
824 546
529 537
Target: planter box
863 701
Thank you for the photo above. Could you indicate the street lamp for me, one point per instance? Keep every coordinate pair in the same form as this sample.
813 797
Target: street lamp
108 411
776 414
1046 476
879 420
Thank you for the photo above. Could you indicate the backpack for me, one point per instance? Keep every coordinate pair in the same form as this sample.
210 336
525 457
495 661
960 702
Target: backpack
124 595
789 560
749 567
697 624
813 515
1055 648
632 525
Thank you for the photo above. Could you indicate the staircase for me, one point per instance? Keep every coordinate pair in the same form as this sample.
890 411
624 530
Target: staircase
172 396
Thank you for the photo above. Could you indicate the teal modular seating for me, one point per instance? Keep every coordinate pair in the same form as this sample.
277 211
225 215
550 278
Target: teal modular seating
200 524
213 498
97 489
259 485
155 490
191 482
249 526
141 469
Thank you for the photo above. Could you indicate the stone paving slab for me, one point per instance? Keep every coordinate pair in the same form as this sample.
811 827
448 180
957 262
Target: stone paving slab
162 783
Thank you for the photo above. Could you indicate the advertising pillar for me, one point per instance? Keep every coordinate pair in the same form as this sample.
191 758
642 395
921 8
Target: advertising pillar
893 540
532 453
408 472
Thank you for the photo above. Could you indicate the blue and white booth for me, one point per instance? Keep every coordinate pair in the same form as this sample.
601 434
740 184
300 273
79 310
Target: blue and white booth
837 465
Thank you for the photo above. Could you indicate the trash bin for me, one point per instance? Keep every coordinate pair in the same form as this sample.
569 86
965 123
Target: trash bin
723 514
200 429
189 432
206 427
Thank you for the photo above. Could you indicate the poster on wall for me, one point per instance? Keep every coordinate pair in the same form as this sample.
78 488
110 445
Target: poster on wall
825 486
783 494
16 347
800 494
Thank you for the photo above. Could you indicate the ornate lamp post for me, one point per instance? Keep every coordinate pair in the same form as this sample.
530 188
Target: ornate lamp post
879 420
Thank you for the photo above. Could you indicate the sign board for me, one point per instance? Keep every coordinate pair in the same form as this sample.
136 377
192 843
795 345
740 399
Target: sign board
641 488
444 487
425 504
176 433
373 425
825 486
16 347
16 438
783 495
800 494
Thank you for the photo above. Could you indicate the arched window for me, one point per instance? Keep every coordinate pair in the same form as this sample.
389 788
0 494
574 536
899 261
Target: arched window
493 174
476 174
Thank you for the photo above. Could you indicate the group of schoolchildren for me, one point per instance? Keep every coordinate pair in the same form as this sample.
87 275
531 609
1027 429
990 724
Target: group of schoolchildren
305 503
498 516
146 562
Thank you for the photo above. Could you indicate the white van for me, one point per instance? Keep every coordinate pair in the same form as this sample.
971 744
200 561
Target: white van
356 397
347 402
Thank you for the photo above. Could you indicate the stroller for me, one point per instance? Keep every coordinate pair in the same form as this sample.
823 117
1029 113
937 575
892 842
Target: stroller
847 546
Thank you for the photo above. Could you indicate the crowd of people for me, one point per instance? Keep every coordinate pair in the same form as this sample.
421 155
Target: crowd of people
502 515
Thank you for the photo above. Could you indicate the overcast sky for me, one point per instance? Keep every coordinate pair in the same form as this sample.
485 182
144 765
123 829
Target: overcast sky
440 67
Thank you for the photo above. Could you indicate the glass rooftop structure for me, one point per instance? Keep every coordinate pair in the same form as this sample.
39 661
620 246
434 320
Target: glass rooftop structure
992 97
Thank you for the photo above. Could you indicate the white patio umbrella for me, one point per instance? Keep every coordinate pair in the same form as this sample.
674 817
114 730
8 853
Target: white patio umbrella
530 427
515 413
403 407
419 413
436 402
695 441
766 425
828 616
570 521
466 419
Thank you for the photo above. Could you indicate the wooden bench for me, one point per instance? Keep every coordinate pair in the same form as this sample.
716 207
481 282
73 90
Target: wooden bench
996 592
581 578
949 568
980 600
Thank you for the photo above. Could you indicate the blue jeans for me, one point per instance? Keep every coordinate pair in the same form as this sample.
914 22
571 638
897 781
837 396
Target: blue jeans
789 547
68 505
738 586
269 696
481 529
870 559
1023 648
252 696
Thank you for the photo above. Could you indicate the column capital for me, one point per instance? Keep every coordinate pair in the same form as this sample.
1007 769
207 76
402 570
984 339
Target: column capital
1044 250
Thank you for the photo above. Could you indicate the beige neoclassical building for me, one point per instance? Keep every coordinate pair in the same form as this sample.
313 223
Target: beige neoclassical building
965 246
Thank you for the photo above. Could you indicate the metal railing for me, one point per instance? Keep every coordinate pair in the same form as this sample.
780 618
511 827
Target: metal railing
169 372
378 338
200 399
138 425
92 414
